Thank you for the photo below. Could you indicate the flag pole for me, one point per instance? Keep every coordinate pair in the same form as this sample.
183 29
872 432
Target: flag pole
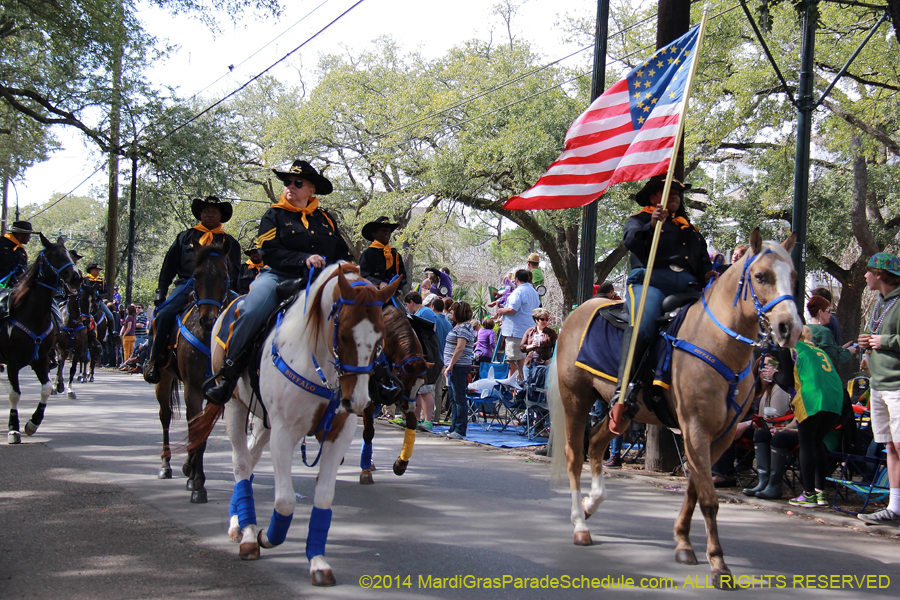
658 229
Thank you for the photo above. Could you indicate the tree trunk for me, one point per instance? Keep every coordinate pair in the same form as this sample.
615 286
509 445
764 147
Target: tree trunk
112 211
674 21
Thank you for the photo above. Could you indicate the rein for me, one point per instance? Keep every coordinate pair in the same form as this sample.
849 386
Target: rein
187 333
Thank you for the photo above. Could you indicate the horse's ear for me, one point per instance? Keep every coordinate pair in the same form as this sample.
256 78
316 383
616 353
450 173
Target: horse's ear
384 294
428 365
789 243
44 241
756 241
343 285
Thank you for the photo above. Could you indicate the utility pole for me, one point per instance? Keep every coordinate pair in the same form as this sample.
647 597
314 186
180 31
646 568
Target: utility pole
589 213
132 205
115 109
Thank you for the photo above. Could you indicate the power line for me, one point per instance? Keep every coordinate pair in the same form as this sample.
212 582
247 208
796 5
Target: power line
46 208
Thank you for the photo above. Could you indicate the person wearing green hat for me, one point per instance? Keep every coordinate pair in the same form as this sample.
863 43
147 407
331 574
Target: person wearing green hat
882 341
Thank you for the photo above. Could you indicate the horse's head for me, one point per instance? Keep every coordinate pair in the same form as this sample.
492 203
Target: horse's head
60 265
359 330
211 281
86 298
766 288
404 353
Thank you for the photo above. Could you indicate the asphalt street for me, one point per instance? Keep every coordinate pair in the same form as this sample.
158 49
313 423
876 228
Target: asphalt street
82 515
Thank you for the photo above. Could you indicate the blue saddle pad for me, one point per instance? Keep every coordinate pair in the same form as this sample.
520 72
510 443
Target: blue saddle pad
601 343
232 314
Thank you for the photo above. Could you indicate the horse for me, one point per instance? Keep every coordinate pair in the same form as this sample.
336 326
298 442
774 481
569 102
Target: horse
26 334
191 361
752 294
313 379
73 340
96 334
404 365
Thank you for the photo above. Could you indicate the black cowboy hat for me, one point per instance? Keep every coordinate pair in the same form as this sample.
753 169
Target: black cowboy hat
251 248
91 267
656 184
369 229
198 204
22 227
75 255
304 170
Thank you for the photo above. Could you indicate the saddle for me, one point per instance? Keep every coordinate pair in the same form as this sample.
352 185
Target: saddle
617 312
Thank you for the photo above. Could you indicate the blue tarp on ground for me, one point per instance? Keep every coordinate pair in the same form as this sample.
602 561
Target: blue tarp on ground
507 438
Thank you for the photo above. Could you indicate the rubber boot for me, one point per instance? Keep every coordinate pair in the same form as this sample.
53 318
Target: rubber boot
230 373
617 409
762 469
778 464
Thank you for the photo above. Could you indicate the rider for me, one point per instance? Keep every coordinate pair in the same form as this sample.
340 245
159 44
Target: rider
379 263
682 262
179 265
249 269
295 235
13 257
94 279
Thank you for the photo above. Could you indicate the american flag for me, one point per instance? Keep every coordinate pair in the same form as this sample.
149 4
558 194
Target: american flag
627 134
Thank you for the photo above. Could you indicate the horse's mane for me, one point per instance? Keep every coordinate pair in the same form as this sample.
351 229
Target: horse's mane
26 284
202 254
397 326
315 318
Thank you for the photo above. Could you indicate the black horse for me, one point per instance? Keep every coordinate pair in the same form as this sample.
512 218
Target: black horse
73 341
27 332
96 333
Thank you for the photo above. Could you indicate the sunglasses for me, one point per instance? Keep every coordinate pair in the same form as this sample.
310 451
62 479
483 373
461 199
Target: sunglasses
298 183
543 319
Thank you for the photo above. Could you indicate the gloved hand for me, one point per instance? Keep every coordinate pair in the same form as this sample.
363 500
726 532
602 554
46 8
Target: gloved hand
159 297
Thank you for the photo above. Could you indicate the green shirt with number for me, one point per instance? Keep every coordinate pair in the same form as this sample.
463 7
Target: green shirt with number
817 386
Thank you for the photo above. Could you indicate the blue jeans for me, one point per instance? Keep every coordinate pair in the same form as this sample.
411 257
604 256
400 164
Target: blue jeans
259 304
460 409
164 319
663 282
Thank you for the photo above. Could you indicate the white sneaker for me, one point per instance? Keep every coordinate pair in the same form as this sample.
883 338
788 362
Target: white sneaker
882 517
455 436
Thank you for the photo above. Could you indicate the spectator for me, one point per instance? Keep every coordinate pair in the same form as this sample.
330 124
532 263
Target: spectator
502 295
517 319
534 265
608 290
110 345
486 342
127 333
117 297
882 339
832 322
448 310
538 342
739 252
140 330
425 395
442 327
441 285
458 353
820 312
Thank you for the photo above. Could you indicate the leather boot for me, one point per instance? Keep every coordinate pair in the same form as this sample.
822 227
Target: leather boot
220 393
762 469
778 464
153 369
616 409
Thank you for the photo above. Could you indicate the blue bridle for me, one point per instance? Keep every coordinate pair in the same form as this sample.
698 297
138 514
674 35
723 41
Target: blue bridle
187 333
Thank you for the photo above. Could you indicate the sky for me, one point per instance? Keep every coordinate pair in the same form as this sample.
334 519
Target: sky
201 61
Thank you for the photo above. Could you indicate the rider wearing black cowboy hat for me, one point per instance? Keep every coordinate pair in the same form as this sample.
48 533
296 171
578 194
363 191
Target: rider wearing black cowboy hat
13 257
379 263
295 236
249 268
96 282
178 265
682 262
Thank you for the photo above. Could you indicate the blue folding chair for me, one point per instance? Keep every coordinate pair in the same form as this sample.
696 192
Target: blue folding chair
876 489
484 409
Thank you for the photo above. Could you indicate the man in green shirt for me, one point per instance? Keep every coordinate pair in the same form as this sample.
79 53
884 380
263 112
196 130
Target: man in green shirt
537 276
882 339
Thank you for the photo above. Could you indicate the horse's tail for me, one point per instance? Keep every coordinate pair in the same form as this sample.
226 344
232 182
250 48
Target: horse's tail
201 426
557 443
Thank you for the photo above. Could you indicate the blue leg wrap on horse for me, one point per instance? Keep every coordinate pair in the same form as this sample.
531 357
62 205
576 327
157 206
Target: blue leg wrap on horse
278 528
242 501
319 524
365 461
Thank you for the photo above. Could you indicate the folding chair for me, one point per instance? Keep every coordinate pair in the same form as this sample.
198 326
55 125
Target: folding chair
877 488
537 414
484 410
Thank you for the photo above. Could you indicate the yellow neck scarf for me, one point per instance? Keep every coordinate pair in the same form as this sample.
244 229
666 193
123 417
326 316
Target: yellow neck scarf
92 278
254 265
311 207
207 237
388 255
682 222
12 238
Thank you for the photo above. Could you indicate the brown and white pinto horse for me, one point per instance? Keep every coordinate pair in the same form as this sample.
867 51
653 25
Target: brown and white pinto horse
314 380
405 365
754 293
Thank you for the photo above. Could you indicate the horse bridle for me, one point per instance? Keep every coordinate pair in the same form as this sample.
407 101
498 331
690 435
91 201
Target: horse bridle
186 333
57 272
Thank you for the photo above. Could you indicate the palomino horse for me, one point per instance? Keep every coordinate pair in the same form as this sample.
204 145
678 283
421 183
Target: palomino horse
73 341
406 365
26 335
191 362
754 293
314 380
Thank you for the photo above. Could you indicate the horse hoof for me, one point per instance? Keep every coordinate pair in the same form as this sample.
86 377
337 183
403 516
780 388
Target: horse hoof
189 486
365 478
400 466
249 551
30 428
322 578
13 438
71 395
724 581
165 473
198 496
583 538
91 379
685 557
186 469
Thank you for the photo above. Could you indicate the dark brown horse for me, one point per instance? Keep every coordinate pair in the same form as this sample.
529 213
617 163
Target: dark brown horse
753 294
73 342
190 362
26 334
96 334
406 366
